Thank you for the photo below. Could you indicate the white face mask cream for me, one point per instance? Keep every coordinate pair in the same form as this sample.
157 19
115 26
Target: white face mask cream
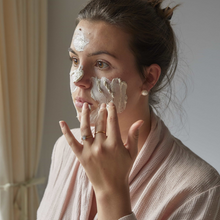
103 91
76 76
79 40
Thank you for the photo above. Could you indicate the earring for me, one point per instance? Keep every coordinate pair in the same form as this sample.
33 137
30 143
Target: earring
144 92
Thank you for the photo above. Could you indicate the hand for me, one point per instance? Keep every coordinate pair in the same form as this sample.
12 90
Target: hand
106 160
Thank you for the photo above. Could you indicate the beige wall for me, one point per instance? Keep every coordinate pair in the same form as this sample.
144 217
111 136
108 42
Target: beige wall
198 28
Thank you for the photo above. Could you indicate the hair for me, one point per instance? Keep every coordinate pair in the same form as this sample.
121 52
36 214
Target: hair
152 38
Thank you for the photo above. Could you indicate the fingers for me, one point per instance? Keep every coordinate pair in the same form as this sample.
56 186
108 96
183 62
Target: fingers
74 144
112 122
85 125
132 141
100 126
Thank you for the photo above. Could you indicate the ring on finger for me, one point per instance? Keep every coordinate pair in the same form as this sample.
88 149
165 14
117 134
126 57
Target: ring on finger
103 132
84 137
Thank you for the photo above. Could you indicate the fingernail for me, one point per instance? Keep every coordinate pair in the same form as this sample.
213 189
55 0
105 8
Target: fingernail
103 106
62 124
107 106
111 103
90 107
140 125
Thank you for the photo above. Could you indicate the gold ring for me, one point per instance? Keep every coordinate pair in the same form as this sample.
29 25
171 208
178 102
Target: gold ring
84 137
103 132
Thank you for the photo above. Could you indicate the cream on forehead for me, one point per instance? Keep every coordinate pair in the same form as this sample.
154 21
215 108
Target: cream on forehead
104 91
79 40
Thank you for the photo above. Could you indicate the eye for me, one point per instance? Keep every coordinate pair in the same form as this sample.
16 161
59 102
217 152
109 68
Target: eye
102 65
75 61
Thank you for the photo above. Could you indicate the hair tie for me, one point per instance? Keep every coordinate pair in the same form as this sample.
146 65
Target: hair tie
170 16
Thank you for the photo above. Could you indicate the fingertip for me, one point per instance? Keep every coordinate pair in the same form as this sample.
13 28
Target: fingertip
62 124
133 132
111 103
141 122
85 105
111 106
63 127
137 125
103 106
90 107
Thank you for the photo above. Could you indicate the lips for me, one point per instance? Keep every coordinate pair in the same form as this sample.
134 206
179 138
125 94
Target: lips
79 102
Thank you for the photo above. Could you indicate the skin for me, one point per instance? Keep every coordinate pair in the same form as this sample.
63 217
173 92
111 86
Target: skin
108 159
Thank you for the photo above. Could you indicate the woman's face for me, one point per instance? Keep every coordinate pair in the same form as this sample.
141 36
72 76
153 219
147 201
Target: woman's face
100 52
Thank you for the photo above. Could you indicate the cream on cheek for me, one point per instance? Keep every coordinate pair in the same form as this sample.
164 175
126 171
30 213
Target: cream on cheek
104 91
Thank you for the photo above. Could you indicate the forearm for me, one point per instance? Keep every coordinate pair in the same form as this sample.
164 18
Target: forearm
113 205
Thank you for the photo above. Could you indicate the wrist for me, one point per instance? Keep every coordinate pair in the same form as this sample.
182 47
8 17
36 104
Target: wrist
113 204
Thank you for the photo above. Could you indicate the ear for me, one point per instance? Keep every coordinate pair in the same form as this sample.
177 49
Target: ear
152 74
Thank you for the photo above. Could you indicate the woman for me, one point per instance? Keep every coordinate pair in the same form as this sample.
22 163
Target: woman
123 163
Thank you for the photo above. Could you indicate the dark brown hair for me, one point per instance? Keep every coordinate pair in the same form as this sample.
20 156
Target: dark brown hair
152 38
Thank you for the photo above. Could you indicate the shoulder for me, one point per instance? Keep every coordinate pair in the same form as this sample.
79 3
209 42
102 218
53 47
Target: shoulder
190 170
188 180
196 184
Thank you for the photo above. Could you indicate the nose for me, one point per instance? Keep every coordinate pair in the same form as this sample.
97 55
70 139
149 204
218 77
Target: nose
84 83
81 78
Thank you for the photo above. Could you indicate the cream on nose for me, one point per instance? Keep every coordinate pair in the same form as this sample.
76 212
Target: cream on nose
77 75
78 79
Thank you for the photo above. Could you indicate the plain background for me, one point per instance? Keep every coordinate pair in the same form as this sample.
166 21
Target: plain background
197 26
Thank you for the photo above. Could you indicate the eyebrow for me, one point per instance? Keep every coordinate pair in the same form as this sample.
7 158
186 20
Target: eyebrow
102 52
95 53
72 51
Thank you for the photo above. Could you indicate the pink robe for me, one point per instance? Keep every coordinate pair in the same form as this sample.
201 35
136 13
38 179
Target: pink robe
167 182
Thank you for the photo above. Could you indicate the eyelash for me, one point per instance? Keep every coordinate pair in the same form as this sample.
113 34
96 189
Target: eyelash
98 62
103 63
72 59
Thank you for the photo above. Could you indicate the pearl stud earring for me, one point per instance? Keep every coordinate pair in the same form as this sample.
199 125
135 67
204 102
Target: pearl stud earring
144 92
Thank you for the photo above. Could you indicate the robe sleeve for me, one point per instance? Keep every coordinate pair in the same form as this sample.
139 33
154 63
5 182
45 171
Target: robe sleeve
54 164
50 182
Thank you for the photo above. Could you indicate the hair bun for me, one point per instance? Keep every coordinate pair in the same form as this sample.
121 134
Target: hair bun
165 13
168 13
